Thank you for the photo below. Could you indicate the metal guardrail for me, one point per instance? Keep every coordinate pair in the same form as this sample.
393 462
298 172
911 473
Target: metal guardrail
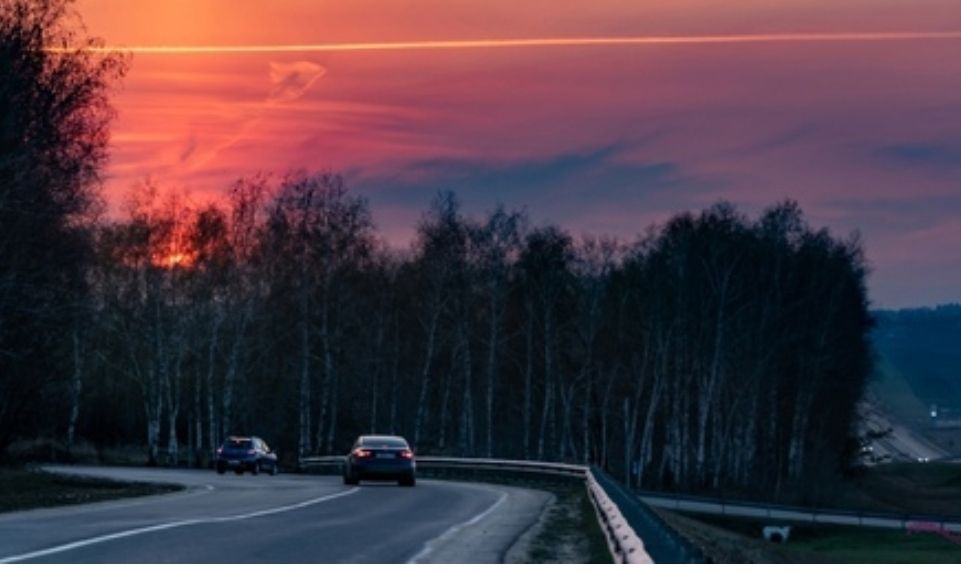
716 506
622 541
661 543
319 461
621 515
431 462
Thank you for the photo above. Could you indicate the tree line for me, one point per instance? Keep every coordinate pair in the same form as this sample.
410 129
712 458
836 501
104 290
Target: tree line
716 350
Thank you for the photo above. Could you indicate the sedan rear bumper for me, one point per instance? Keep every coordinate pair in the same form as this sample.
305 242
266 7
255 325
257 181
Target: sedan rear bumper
381 469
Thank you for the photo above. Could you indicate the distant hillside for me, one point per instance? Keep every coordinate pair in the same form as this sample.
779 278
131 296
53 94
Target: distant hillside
919 360
896 396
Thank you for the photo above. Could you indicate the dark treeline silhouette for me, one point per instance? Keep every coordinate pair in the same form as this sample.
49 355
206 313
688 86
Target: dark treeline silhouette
54 121
717 351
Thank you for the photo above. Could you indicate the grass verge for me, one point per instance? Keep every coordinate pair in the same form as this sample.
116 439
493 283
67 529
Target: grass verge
733 540
23 488
931 489
917 489
569 532
840 544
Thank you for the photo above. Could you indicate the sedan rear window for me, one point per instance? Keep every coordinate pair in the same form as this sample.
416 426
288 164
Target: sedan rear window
384 442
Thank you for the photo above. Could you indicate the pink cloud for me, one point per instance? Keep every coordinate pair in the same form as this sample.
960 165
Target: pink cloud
759 123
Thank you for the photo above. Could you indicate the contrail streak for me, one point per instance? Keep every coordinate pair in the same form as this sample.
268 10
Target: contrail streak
814 37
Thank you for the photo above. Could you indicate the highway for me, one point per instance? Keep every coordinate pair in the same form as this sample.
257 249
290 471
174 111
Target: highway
777 514
275 519
899 442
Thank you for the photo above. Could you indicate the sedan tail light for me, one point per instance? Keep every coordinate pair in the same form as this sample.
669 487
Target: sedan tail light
358 453
407 455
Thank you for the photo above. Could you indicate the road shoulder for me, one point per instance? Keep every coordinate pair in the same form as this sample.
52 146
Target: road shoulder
487 537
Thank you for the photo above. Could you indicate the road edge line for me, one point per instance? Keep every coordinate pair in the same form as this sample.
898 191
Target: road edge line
172 525
429 545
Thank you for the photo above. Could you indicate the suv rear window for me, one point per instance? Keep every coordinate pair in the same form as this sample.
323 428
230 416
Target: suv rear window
238 444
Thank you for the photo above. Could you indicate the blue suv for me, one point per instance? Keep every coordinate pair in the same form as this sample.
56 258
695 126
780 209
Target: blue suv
242 454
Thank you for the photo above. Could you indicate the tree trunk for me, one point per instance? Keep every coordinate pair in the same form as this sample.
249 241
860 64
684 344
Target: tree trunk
212 434
491 378
173 412
76 387
548 384
420 419
378 369
329 393
604 410
394 379
528 381
585 425
566 448
198 427
303 426
647 435
173 451
233 373
445 396
332 427
372 424
157 387
153 439
706 395
466 437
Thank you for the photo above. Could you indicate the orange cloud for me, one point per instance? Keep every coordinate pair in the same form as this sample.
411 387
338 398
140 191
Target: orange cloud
289 81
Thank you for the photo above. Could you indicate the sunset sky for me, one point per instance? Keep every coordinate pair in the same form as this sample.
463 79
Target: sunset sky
861 128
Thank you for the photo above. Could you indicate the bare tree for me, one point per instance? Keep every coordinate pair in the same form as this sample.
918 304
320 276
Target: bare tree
54 120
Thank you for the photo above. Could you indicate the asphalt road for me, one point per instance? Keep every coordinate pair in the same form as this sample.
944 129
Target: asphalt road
275 519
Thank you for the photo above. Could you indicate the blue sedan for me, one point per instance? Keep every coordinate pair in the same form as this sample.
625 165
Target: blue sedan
382 458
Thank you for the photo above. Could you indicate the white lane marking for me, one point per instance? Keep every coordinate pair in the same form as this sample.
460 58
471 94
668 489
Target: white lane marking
430 545
172 525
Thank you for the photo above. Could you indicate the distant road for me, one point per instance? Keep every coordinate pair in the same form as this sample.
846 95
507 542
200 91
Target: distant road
776 514
274 519
901 444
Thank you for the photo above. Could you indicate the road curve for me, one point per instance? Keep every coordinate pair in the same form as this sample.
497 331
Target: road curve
274 519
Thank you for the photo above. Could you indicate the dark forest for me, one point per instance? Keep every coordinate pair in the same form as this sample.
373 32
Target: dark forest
716 350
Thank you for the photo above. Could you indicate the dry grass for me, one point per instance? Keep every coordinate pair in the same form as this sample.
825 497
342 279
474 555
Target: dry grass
22 489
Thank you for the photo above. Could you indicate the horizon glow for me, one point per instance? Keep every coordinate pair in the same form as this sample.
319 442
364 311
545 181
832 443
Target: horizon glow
603 117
